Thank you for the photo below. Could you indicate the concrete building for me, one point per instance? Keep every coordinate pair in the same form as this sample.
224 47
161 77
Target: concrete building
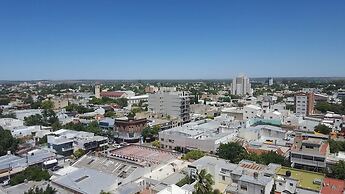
291 180
21 114
247 177
129 129
304 104
205 135
241 86
59 103
151 89
243 114
176 104
98 91
65 141
309 153
117 94
136 99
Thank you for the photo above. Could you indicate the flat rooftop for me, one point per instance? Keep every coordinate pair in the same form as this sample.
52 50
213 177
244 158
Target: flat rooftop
144 155
305 178
107 165
86 180
210 129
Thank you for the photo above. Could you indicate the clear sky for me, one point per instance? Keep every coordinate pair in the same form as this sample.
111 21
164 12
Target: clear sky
170 39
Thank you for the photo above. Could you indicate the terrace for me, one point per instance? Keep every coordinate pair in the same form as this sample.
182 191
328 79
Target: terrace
306 179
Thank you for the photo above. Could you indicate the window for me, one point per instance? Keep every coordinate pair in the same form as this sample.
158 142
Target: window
244 187
307 157
296 156
319 159
291 184
223 178
162 139
280 184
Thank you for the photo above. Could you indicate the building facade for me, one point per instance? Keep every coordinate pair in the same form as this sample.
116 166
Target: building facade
304 104
309 153
176 104
98 91
129 129
241 86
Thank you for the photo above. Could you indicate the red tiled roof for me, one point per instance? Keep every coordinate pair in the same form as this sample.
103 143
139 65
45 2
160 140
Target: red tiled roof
333 186
323 148
112 94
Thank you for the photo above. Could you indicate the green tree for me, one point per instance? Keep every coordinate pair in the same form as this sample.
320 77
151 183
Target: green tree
231 151
322 129
36 119
204 182
338 170
273 157
131 114
31 173
111 114
186 180
47 104
9 115
77 108
193 154
156 144
43 140
336 146
150 133
103 192
37 190
79 153
7 142
92 127
4 101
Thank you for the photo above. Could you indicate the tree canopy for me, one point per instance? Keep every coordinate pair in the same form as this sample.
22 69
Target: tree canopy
37 190
322 129
338 170
235 153
31 173
92 127
7 142
193 155
231 151
336 146
79 153
122 102
78 108
204 182
336 108
150 132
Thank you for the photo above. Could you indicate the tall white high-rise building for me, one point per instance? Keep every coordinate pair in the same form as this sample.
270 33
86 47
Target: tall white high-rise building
270 81
241 86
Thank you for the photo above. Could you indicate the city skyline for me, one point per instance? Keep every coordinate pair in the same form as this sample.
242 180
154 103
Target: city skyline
171 40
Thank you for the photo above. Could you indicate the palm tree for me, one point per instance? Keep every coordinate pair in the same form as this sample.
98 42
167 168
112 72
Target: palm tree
204 182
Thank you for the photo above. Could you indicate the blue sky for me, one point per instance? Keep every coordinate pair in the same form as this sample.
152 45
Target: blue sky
170 39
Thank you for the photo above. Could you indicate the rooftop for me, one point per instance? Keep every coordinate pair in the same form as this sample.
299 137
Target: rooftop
144 155
107 165
334 186
305 178
86 180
